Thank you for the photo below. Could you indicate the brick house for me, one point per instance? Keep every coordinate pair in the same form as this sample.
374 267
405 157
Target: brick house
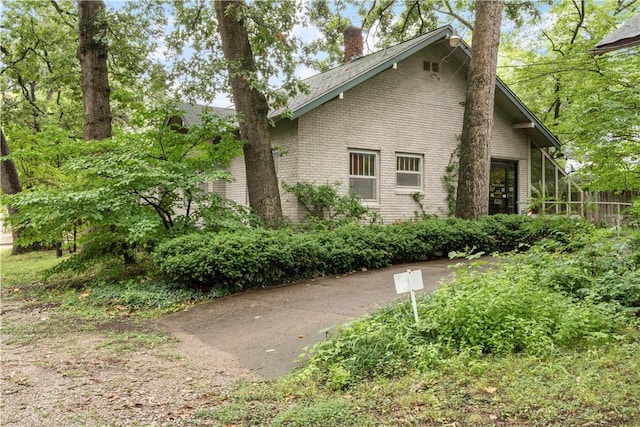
386 124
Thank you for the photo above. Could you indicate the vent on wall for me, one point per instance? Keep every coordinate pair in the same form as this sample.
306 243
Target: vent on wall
433 67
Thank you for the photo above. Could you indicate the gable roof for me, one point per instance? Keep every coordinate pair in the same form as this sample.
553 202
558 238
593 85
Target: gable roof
626 36
325 86
329 84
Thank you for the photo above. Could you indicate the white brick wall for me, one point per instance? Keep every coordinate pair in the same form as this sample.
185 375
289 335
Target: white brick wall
403 110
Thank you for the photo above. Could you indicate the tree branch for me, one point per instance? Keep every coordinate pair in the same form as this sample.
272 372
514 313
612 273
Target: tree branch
580 10
453 14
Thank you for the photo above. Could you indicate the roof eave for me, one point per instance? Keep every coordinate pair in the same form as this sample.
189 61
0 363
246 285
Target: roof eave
618 44
538 125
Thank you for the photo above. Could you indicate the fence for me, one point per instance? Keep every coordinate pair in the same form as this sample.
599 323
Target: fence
600 208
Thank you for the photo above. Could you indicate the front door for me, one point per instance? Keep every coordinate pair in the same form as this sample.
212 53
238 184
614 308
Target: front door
502 187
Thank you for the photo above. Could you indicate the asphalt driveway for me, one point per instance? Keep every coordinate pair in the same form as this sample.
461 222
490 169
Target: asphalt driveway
266 330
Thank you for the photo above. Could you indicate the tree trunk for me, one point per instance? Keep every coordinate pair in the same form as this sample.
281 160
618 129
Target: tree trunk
252 106
475 157
10 184
92 53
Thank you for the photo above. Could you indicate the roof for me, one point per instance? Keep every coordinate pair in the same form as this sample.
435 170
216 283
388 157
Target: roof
193 113
326 86
329 84
626 36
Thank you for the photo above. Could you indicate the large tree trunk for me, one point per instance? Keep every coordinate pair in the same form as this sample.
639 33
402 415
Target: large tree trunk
92 53
10 184
252 106
475 158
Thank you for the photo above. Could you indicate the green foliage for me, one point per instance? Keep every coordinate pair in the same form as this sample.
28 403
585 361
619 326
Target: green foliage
108 290
450 180
197 64
335 412
388 23
506 313
130 191
255 258
517 307
42 114
569 387
596 119
601 271
326 208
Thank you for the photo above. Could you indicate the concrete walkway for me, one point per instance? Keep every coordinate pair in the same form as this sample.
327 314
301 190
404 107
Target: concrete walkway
266 330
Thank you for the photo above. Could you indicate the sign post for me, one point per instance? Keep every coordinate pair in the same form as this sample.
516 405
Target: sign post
410 281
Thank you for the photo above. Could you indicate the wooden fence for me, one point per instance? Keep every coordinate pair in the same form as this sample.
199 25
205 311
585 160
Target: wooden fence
605 208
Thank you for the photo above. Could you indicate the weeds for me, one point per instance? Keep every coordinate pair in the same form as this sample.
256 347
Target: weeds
119 342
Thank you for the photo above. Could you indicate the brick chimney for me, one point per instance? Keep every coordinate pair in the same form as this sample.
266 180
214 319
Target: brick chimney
352 43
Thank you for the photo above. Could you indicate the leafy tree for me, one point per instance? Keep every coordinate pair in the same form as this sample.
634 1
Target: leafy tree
591 103
475 155
127 192
92 53
244 48
251 104
389 22
41 89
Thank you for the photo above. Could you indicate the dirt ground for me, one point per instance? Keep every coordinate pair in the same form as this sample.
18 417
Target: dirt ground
73 375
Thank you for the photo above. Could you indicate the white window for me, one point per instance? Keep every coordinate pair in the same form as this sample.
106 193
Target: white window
363 174
408 170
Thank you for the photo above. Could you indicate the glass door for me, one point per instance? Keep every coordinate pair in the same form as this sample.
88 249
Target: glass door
502 187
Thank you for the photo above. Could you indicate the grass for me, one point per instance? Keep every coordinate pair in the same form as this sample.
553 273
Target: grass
119 342
570 388
106 292
19 271
34 309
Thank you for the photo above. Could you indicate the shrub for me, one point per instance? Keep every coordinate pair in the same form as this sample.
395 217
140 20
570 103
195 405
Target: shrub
506 312
603 270
254 258
326 209
501 311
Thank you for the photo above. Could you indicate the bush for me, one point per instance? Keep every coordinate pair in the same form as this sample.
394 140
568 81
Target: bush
601 269
503 311
506 312
255 258
326 209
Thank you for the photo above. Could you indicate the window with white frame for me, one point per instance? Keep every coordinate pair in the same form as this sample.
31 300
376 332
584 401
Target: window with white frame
408 170
363 174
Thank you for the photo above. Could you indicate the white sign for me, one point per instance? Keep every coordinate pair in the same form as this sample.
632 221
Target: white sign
411 280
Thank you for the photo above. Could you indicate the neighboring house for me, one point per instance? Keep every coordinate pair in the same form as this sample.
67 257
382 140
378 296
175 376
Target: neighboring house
385 125
627 35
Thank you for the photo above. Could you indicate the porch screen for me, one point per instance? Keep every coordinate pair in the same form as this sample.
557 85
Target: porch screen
363 174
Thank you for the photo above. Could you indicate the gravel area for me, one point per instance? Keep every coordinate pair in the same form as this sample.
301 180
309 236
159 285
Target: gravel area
73 375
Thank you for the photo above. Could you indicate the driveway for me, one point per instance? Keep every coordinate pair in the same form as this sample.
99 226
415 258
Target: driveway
264 331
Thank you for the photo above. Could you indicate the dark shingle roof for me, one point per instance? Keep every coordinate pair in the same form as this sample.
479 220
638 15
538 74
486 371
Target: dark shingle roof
626 36
193 112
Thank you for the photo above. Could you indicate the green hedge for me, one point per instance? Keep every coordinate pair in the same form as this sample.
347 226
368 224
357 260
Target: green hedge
258 258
